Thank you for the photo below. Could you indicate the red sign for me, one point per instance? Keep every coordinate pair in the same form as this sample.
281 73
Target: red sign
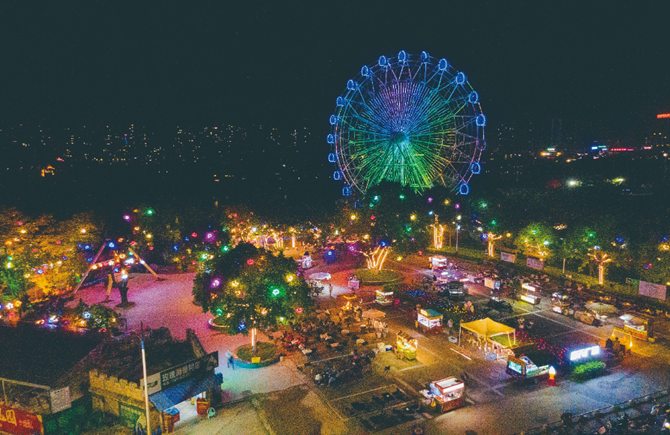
663 115
17 422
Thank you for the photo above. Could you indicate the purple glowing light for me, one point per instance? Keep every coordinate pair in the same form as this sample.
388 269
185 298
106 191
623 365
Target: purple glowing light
216 282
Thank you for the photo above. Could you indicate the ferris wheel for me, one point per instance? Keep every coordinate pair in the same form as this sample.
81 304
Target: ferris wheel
414 120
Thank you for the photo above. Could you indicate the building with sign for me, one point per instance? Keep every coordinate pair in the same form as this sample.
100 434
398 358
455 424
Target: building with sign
44 382
180 377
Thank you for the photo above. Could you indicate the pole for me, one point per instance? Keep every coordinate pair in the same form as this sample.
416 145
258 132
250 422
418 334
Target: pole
564 265
146 385
144 263
83 278
457 238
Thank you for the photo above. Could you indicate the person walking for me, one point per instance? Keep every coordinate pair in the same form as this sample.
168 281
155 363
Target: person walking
231 361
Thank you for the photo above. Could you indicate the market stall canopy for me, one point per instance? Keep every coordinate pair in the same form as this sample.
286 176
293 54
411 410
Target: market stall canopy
601 308
487 327
320 276
373 314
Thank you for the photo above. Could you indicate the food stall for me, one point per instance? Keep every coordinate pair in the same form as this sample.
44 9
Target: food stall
429 320
637 326
531 294
493 284
437 262
406 346
446 394
383 298
560 304
533 364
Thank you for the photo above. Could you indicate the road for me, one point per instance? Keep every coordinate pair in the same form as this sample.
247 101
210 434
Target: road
498 405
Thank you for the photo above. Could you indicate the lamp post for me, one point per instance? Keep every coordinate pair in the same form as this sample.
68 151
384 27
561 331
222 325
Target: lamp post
146 385
458 227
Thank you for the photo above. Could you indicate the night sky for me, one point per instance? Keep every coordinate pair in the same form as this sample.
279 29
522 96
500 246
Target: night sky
283 65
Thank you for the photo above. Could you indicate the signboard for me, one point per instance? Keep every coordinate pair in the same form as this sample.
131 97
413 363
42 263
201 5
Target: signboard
535 263
585 353
506 256
17 422
154 382
60 400
177 374
652 290
631 281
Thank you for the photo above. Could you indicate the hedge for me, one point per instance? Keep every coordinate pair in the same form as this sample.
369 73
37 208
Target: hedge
588 370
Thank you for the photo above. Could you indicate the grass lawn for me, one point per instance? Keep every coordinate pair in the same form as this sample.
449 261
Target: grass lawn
264 350
382 277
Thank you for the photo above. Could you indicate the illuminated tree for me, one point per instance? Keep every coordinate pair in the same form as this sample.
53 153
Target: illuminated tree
600 258
42 253
535 240
491 239
375 258
251 288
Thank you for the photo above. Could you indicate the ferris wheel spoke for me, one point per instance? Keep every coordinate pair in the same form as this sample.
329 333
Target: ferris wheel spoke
407 122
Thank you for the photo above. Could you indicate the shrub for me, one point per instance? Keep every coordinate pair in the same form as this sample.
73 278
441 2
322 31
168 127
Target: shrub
588 370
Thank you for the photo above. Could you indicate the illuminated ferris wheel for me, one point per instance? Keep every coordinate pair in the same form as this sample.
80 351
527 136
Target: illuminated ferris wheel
414 120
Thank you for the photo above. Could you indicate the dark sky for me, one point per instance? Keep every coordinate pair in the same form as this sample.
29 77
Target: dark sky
277 63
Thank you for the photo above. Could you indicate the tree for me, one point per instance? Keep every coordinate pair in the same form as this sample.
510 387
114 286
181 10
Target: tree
251 289
535 240
43 253
600 258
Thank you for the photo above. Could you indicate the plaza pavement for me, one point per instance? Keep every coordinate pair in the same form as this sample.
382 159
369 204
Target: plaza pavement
281 400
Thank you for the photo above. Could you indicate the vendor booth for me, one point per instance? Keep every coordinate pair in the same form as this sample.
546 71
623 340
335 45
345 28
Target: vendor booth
383 298
429 320
560 304
637 326
493 284
353 284
490 335
531 294
406 346
437 261
446 394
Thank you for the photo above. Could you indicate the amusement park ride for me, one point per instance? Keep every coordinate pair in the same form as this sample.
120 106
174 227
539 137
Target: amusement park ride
409 119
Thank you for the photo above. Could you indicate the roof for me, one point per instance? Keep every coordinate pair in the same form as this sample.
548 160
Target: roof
185 390
41 356
487 327
448 382
121 357
430 313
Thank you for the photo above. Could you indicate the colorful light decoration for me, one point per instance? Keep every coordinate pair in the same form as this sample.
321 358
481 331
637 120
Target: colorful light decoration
298 310
276 292
225 248
126 217
216 282
250 262
407 118
150 212
209 236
